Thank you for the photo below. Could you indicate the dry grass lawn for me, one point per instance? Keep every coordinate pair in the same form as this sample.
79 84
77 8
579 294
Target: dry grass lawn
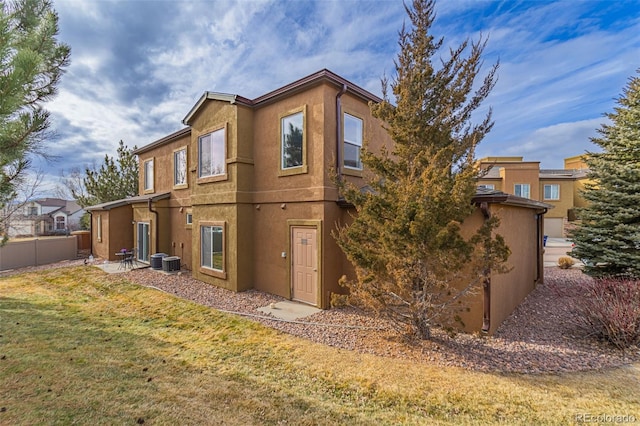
78 346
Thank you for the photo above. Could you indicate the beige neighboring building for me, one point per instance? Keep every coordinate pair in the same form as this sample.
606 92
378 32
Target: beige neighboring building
244 197
557 187
45 216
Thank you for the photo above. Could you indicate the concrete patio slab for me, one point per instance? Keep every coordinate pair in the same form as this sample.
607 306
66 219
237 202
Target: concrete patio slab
117 268
289 310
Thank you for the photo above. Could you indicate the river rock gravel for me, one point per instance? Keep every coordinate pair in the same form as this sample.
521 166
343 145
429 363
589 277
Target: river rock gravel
540 336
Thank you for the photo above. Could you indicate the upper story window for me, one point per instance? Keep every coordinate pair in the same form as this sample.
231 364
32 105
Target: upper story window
487 186
180 167
293 150
352 141
212 154
552 192
522 190
148 175
33 211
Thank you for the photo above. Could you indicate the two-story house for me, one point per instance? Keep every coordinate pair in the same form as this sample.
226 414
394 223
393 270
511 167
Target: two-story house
45 216
244 196
557 187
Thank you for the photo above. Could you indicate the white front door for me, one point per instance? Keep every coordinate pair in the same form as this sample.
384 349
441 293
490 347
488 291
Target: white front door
304 264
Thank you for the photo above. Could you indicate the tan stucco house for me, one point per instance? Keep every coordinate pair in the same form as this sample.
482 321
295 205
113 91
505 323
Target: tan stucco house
557 187
244 196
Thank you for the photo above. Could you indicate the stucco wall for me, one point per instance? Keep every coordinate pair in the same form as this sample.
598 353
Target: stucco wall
518 226
561 206
521 173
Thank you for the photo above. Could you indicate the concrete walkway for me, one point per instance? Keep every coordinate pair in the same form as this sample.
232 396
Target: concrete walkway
289 310
557 248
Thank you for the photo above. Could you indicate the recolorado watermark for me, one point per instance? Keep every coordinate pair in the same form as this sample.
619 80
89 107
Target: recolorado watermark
605 418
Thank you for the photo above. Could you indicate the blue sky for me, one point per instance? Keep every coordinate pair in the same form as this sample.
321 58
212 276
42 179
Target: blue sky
138 66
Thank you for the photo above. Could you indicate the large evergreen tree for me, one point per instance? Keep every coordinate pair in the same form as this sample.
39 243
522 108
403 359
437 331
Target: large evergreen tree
114 180
31 64
413 264
608 236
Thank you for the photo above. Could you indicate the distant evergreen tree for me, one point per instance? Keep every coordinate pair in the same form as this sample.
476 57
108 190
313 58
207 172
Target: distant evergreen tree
412 262
115 180
608 235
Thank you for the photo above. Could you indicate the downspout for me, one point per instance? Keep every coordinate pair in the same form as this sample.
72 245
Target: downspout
486 282
339 132
540 247
156 227
90 234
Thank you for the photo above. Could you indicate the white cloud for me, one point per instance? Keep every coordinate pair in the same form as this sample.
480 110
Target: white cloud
138 67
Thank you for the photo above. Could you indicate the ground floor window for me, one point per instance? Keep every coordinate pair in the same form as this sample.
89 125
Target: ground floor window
60 223
212 247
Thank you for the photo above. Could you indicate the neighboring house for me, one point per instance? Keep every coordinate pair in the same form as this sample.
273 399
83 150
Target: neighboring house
244 196
557 187
46 216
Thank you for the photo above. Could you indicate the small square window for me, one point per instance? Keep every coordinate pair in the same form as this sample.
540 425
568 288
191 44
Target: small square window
522 190
552 192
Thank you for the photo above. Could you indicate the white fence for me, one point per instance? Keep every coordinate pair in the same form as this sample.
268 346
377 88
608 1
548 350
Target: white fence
37 251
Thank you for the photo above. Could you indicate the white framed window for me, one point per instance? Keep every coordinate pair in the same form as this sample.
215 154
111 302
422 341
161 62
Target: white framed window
552 192
212 154
189 218
60 222
212 247
180 167
522 190
352 141
292 141
148 175
487 186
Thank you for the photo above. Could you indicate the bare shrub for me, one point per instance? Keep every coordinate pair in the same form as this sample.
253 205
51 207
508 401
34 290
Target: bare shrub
609 308
565 262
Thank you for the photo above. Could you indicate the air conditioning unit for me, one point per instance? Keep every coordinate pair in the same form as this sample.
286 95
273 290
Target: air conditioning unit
170 263
156 260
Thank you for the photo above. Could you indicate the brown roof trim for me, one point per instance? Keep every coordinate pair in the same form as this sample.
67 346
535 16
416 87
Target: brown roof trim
128 201
290 89
312 80
215 96
499 197
162 141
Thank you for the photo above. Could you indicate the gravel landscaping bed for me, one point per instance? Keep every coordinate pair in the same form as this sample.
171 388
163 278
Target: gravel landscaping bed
539 337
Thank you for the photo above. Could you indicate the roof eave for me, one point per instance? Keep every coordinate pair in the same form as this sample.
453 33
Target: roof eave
214 96
162 141
128 201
